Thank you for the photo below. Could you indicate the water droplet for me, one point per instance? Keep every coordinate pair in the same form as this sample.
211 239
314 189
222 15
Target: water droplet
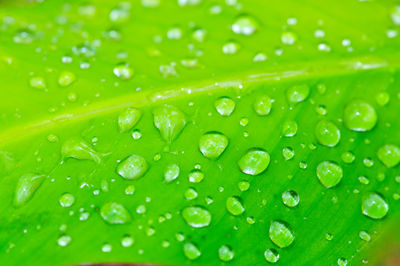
196 176
327 133
360 116
225 253
342 262
280 234
271 255
374 206
170 121
114 213
106 248
230 48
151 3
288 153
141 209
168 70
213 144
297 93
290 198
84 49
389 155
262 105
67 200
260 57
329 174
234 205
130 190
66 78
196 216
64 240
245 25
395 14
38 83
174 33
288 38
190 194
136 135
199 35
321 110
328 236
128 119
243 186
171 172
368 162
382 98
348 157
364 236
289 128
123 71
363 180
254 162
26 188
191 251
121 13
133 167
224 106
79 149
127 241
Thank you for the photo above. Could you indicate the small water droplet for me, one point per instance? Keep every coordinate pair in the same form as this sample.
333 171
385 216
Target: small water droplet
114 213
225 253
262 105
374 206
127 241
26 187
360 116
364 236
280 234
243 186
66 78
38 83
191 194
133 167
67 200
234 205
106 248
329 173
245 25
79 149
170 121
254 162
128 119
213 144
191 251
389 155
297 93
342 262
196 216
271 255
171 172
130 190
327 133
224 106
230 47
348 157
121 13
289 128
288 38
64 240
123 71
290 198
288 153
382 98
196 176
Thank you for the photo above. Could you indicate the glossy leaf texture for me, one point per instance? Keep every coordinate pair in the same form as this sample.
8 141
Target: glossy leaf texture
198 132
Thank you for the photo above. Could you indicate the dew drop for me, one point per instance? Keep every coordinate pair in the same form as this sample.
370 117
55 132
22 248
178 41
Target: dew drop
114 213
170 121
271 255
128 119
127 241
289 128
288 38
244 25
66 78
130 190
196 176
123 71
262 105
342 262
327 133
290 198
224 106
191 194
243 186
280 234
234 205
196 216
171 172
121 13
64 240
254 162
329 173
364 236
382 98
38 83
67 200
297 93
360 116
26 187
191 251
225 253
106 248
213 144
389 155
374 206
230 47
288 153
133 167
348 157
79 149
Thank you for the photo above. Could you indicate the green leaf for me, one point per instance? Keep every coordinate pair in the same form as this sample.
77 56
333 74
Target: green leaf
189 131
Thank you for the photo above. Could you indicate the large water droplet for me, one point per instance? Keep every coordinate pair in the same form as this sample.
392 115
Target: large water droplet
133 167
262 105
297 93
114 213
128 119
374 206
225 253
280 234
213 144
26 187
224 106
389 155
245 25
191 251
329 174
254 162
327 133
196 216
360 116
170 121
79 149
234 206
